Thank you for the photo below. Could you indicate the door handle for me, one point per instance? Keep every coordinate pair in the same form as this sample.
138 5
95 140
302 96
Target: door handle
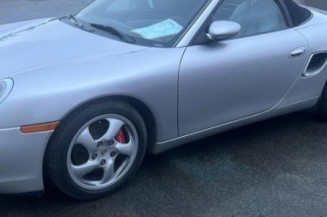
298 52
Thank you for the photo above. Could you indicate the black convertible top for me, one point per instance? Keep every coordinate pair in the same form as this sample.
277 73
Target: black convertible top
298 14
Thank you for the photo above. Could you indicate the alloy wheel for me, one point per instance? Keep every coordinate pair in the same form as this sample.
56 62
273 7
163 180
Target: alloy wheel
102 152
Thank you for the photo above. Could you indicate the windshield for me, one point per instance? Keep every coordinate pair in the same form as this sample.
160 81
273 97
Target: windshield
147 22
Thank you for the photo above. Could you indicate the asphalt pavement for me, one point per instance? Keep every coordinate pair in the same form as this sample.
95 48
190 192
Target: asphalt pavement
273 168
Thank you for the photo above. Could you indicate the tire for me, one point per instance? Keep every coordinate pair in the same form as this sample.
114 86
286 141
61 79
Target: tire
320 109
71 151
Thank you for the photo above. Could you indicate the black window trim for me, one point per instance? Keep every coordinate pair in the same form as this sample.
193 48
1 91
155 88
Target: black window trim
285 12
280 3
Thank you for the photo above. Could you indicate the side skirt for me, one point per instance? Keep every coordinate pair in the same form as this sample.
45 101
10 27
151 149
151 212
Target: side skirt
170 144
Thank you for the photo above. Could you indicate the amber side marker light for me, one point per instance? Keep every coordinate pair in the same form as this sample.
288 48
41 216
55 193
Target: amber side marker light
35 128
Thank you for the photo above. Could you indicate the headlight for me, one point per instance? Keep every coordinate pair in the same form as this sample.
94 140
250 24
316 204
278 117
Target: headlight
6 86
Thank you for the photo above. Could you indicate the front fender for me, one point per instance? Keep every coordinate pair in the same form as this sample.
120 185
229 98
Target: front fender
48 94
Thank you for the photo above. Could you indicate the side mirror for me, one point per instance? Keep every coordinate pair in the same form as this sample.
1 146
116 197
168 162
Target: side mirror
222 30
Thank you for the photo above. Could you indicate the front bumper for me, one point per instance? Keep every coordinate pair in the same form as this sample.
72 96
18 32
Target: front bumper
21 160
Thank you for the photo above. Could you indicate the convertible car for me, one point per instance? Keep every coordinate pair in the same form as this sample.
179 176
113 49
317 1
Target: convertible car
85 96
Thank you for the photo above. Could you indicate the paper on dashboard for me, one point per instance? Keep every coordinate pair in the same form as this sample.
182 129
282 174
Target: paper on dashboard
163 29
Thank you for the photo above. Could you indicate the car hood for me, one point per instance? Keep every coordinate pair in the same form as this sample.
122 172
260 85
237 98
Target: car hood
33 45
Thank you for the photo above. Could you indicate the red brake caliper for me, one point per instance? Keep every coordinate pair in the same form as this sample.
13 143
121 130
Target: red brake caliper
120 136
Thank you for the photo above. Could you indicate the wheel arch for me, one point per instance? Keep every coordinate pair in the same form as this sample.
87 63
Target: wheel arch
139 105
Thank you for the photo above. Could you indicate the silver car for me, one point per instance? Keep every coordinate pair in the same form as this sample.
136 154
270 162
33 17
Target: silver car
84 97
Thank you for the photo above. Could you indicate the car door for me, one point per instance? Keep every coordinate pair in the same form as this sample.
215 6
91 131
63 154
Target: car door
222 82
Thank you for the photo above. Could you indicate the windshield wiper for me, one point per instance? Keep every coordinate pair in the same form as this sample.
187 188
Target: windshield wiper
72 17
113 31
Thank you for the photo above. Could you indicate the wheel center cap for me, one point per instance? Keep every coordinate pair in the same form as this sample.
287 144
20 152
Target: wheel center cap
103 151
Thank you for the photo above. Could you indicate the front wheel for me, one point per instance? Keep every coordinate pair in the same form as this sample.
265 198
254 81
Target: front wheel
96 149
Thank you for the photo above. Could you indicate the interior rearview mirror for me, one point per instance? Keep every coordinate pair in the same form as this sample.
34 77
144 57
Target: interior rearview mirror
222 30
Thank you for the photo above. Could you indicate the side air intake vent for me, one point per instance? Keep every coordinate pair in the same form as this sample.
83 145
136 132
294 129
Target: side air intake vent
316 64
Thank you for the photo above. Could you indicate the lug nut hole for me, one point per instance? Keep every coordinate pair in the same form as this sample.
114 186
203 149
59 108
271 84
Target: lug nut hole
94 156
103 162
